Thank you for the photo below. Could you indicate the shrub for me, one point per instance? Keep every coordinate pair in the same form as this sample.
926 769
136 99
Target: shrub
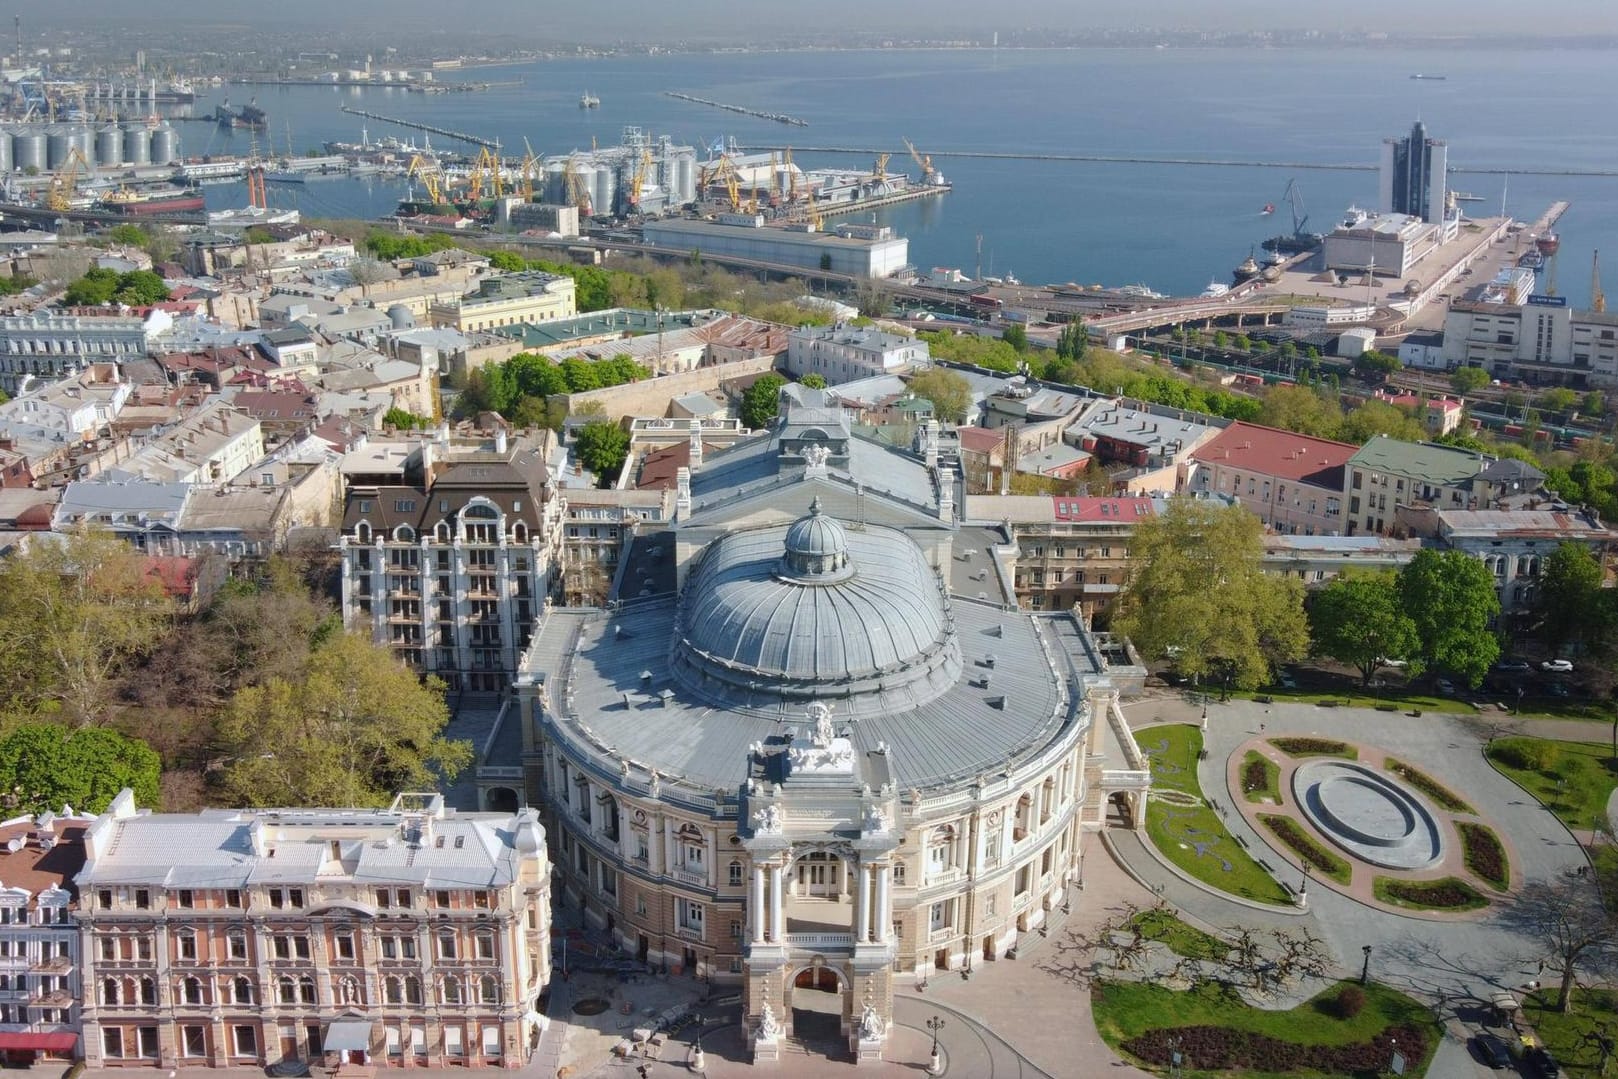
1484 854
1429 786
1312 747
1525 754
1306 847
1350 1002
1208 1048
1255 777
1446 894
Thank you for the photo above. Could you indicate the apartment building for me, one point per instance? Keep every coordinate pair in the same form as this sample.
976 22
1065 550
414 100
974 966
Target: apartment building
1512 542
44 346
39 939
412 936
843 353
509 300
450 557
1386 473
1291 482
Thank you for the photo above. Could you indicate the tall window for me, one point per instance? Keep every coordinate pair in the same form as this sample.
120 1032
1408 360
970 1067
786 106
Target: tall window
412 990
287 990
191 989
242 990
306 989
394 990
446 944
452 990
489 989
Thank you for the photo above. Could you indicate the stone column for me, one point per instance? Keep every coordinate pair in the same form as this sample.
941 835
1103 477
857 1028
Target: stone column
884 903
755 912
862 904
778 920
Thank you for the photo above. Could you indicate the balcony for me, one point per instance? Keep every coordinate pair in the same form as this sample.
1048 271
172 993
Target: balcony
56 964
820 942
685 932
686 876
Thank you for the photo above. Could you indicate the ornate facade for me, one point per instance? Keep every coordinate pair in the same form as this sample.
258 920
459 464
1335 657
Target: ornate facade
813 746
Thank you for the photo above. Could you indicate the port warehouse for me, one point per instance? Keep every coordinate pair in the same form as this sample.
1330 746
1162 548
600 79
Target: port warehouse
607 176
856 250
46 147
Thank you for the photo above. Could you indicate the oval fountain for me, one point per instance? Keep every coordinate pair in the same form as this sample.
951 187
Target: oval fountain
1367 813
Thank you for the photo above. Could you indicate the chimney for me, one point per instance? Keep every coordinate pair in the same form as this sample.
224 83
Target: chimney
946 494
500 440
696 443
682 494
426 463
930 444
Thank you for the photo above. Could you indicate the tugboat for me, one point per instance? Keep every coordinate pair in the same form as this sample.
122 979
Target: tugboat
1248 270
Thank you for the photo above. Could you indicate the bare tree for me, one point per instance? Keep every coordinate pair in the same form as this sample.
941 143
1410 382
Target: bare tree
1575 927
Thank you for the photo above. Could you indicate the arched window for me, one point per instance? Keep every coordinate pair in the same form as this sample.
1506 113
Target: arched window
478 522
412 990
941 849
451 991
306 989
404 533
394 990
362 533
243 988
287 989
489 989
441 532
1025 818
191 988
519 532
148 990
109 991
735 877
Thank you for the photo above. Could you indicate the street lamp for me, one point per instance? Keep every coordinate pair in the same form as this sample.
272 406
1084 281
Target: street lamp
935 1066
1365 971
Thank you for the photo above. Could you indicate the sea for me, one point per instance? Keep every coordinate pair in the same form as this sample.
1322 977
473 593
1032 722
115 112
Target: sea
1172 227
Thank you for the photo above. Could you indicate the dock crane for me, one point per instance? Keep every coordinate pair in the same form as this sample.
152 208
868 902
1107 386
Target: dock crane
431 175
66 181
575 189
1598 299
881 170
925 163
530 165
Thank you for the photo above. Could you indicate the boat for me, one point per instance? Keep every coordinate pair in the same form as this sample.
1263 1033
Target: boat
135 202
1431 78
1141 292
249 118
1248 270
1269 208
249 216
1295 243
589 101
1215 290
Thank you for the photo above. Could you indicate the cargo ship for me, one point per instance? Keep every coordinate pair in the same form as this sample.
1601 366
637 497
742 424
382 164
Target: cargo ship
249 118
166 200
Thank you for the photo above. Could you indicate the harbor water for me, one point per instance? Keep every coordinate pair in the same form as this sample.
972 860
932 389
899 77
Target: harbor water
1173 227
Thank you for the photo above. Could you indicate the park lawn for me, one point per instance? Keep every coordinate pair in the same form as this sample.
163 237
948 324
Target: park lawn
1269 790
1359 698
1124 1010
1564 1035
1575 782
1160 924
1176 769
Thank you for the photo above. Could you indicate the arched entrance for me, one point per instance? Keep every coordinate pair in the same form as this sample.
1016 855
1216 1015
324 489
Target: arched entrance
501 800
817 1002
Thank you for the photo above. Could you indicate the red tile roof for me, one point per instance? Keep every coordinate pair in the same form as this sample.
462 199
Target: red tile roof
1270 451
1102 509
980 439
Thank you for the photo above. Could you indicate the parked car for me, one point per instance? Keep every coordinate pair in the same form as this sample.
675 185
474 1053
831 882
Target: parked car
1557 666
1513 666
1492 1050
1539 1058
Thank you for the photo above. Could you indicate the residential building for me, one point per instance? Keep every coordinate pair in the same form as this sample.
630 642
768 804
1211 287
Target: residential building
509 300
1072 553
1153 444
1386 473
39 939
843 353
1291 482
1512 542
926 813
599 527
44 346
408 936
78 407
1316 560
211 446
449 559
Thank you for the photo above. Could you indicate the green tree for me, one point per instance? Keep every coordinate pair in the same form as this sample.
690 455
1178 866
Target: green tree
93 289
1197 591
1358 620
140 287
1450 597
1072 342
1373 418
602 448
762 401
1558 399
948 390
507 261
1300 409
46 766
1569 587
1464 380
402 420
1376 365
1016 336
1593 403
258 235
353 730
389 246
86 607
813 381
126 235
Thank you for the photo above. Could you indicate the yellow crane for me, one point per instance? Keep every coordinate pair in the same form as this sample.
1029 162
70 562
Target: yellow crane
792 176
643 169
576 193
426 169
66 181
926 162
1598 299
881 170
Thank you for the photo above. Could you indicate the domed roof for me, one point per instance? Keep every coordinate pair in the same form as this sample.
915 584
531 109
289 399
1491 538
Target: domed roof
811 610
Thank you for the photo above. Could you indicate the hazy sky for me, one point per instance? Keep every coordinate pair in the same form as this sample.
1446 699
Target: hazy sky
643 20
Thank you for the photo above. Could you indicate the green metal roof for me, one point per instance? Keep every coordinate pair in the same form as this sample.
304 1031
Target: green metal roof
1427 461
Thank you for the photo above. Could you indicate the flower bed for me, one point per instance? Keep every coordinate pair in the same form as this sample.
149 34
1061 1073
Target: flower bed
1450 893
1485 855
1314 747
1222 1049
1312 852
1260 778
1429 786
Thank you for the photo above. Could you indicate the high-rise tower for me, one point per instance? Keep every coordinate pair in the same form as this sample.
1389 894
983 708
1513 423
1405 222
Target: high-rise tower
1413 175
